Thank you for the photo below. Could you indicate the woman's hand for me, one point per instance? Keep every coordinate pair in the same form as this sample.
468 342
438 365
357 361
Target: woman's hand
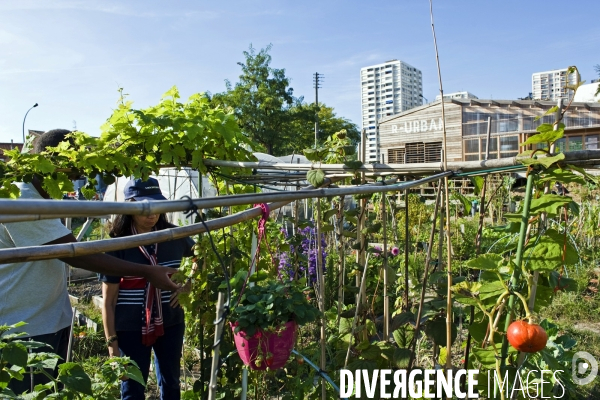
113 349
181 289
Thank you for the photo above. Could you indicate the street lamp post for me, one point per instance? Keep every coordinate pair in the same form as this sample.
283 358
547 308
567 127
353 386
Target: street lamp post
424 98
24 118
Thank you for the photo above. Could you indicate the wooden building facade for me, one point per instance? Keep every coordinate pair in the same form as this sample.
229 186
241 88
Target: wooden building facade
415 135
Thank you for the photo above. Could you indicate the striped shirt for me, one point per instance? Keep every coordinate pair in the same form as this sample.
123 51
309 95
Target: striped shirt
128 311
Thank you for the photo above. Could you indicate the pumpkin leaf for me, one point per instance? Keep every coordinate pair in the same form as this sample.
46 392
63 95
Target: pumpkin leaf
315 177
353 165
487 262
562 175
545 161
552 110
546 254
477 182
549 203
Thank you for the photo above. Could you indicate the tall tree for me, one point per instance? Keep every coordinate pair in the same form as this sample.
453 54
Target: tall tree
303 125
269 114
261 100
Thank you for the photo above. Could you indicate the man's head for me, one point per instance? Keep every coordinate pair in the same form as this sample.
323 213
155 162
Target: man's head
50 139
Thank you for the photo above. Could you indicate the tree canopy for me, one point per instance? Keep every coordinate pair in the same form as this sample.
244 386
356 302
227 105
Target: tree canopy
269 114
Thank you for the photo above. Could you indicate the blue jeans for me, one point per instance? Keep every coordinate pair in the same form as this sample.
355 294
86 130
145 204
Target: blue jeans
167 355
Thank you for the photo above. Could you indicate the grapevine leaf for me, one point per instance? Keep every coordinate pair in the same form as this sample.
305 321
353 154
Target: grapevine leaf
44 165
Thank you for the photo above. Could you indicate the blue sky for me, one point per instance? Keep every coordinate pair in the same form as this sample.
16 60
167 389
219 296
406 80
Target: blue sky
71 56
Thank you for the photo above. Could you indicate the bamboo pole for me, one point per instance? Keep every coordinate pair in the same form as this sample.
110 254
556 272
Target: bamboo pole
467 351
449 244
57 208
410 168
212 387
321 297
425 274
358 303
85 248
406 255
342 266
386 299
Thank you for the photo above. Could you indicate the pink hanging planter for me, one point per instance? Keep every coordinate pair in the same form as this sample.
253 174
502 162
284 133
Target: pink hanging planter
274 347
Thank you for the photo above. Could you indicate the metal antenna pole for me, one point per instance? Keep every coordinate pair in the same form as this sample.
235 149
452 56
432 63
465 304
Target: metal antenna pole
316 83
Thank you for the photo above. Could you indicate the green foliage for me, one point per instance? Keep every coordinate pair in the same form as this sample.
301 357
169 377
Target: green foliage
268 304
16 361
261 100
135 142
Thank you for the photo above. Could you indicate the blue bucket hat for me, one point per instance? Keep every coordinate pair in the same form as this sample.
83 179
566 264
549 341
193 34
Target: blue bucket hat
143 190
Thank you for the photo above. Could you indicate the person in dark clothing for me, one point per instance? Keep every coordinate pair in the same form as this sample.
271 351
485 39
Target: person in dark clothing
139 318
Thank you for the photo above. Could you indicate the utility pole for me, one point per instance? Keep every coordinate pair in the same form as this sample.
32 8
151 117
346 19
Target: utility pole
316 81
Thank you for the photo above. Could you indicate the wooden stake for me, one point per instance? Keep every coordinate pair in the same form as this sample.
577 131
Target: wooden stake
386 299
425 275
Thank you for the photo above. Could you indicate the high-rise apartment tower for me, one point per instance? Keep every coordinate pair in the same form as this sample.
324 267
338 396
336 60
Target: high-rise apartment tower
550 85
387 89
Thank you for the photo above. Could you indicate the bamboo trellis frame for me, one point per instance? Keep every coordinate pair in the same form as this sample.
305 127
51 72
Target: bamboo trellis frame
579 157
80 249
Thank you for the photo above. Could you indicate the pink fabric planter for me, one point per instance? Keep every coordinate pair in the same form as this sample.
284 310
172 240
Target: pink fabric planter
279 344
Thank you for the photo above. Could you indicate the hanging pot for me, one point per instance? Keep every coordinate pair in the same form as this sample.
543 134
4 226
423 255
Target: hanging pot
273 348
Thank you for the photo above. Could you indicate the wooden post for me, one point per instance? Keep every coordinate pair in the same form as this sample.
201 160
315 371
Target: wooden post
212 387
